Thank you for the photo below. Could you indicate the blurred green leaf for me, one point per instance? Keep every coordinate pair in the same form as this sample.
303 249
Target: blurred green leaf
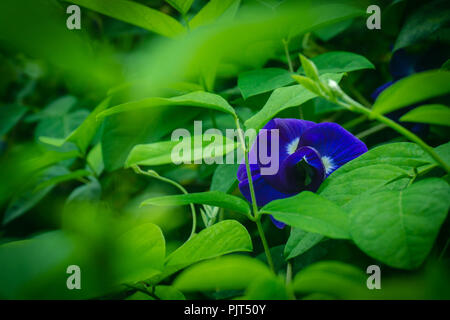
424 22
25 261
224 273
94 160
263 80
159 153
123 131
136 14
182 6
333 278
399 227
213 11
24 202
267 288
212 198
140 253
63 178
10 115
430 113
310 212
299 242
413 89
84 133
195 99
88 192
168 293
221 238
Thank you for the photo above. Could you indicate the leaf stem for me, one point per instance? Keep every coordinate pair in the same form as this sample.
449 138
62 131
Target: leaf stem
355 106
154 174
264 243
256 215
288 57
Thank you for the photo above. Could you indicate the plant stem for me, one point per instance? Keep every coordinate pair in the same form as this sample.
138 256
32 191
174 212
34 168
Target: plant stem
288 273
256 215
247 167
155 175
357 107
370 131
288 57
264 243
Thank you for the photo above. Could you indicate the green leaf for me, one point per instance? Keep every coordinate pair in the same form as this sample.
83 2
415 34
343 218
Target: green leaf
140 253
413 89
344 188
83 135
430 113
200 147
259 81
405 155
398 227
268 288
333 30
199 99
168 293
212 198
10 116
424 22
284 98
310 212
221 238
56 130
224 177
123 131
94 160
63 178
224 273
213 11
309 68
24 202
333 278
299 242
136 14
182 6
339 62
25 261
88 192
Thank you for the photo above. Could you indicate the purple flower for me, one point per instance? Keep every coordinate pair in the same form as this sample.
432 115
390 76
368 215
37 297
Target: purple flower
307 154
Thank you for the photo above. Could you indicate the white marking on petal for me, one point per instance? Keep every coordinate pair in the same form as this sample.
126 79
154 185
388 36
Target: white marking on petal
292 146
328 164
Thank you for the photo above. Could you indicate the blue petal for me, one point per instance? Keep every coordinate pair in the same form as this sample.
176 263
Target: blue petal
380 89
290 131
301 171
278 224
264 193
335 145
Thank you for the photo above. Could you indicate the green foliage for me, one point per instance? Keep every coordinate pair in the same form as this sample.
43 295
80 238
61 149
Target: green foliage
212 198
299 242
226 273
398 227
135 13
282 99
82 110
414 89
332 278
430 113
209 243
312 213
